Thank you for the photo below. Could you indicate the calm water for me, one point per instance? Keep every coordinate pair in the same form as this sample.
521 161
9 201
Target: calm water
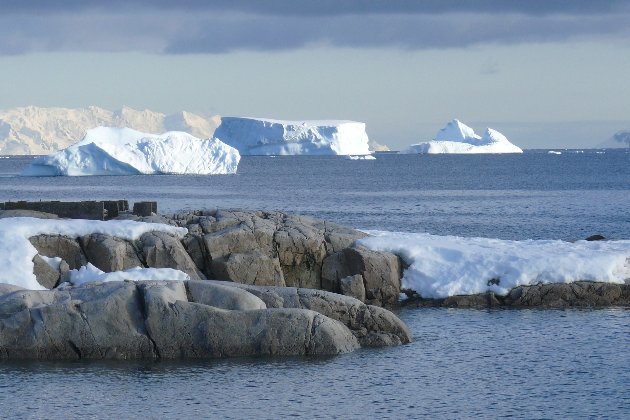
535 195
462 363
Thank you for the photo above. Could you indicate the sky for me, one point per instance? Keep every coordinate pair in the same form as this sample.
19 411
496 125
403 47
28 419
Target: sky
546 73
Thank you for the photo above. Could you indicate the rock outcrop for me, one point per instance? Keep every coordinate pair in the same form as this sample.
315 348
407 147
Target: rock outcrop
273 249
580 294
195 319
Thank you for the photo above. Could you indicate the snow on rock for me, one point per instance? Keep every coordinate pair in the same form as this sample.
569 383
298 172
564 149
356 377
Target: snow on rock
457 137
89 274
255 136
17 253
441 266
123 151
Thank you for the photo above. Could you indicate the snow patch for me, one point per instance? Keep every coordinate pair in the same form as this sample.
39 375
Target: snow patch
457 137
88 274
17 253
441 266
123 151
259 136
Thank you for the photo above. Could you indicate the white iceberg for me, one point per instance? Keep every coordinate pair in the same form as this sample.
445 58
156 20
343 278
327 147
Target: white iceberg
123 151
457 137
257 136
441 266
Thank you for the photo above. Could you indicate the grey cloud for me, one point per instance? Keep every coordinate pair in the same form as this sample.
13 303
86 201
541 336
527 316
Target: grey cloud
322 7
222 26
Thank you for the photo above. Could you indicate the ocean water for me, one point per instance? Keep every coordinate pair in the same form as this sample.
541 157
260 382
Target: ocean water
535 195
462 363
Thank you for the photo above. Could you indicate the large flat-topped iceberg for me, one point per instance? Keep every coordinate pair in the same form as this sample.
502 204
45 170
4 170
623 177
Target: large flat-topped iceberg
257 136
457 137
123 151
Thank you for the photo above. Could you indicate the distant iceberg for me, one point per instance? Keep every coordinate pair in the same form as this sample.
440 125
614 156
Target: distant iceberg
257 136
457 137
123 151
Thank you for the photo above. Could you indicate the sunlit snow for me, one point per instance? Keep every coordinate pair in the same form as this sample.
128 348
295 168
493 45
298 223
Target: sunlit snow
441 266
17 253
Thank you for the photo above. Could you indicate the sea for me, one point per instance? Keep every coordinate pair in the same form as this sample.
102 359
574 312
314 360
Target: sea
462 363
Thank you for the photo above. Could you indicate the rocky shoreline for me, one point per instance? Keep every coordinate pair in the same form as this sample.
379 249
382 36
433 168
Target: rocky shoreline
191 319
580 294
262 283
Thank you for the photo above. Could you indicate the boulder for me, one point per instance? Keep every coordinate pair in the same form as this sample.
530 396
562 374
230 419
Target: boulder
46 275
64 247
172 319
373 326
381 273
223 296
109 253
353 286
162 250
249 268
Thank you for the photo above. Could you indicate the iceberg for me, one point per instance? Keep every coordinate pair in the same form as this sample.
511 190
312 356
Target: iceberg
123 151
457 137
258 136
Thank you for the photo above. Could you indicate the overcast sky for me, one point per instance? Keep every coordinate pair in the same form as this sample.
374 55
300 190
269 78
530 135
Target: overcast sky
545 73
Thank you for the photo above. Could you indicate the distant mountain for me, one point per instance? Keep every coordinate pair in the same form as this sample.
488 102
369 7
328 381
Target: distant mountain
621 139
33 131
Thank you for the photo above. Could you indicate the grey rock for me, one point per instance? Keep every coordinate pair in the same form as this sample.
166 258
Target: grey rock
373 326
558 295
353 286
381 273
222 296
249 268
109 253
162 250
340 237
301 250
196 249
561 295
127 320
64 247
44 273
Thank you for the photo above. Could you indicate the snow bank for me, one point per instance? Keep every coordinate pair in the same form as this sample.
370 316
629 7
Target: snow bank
17 253
457 137
441 266
256 136
123 151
